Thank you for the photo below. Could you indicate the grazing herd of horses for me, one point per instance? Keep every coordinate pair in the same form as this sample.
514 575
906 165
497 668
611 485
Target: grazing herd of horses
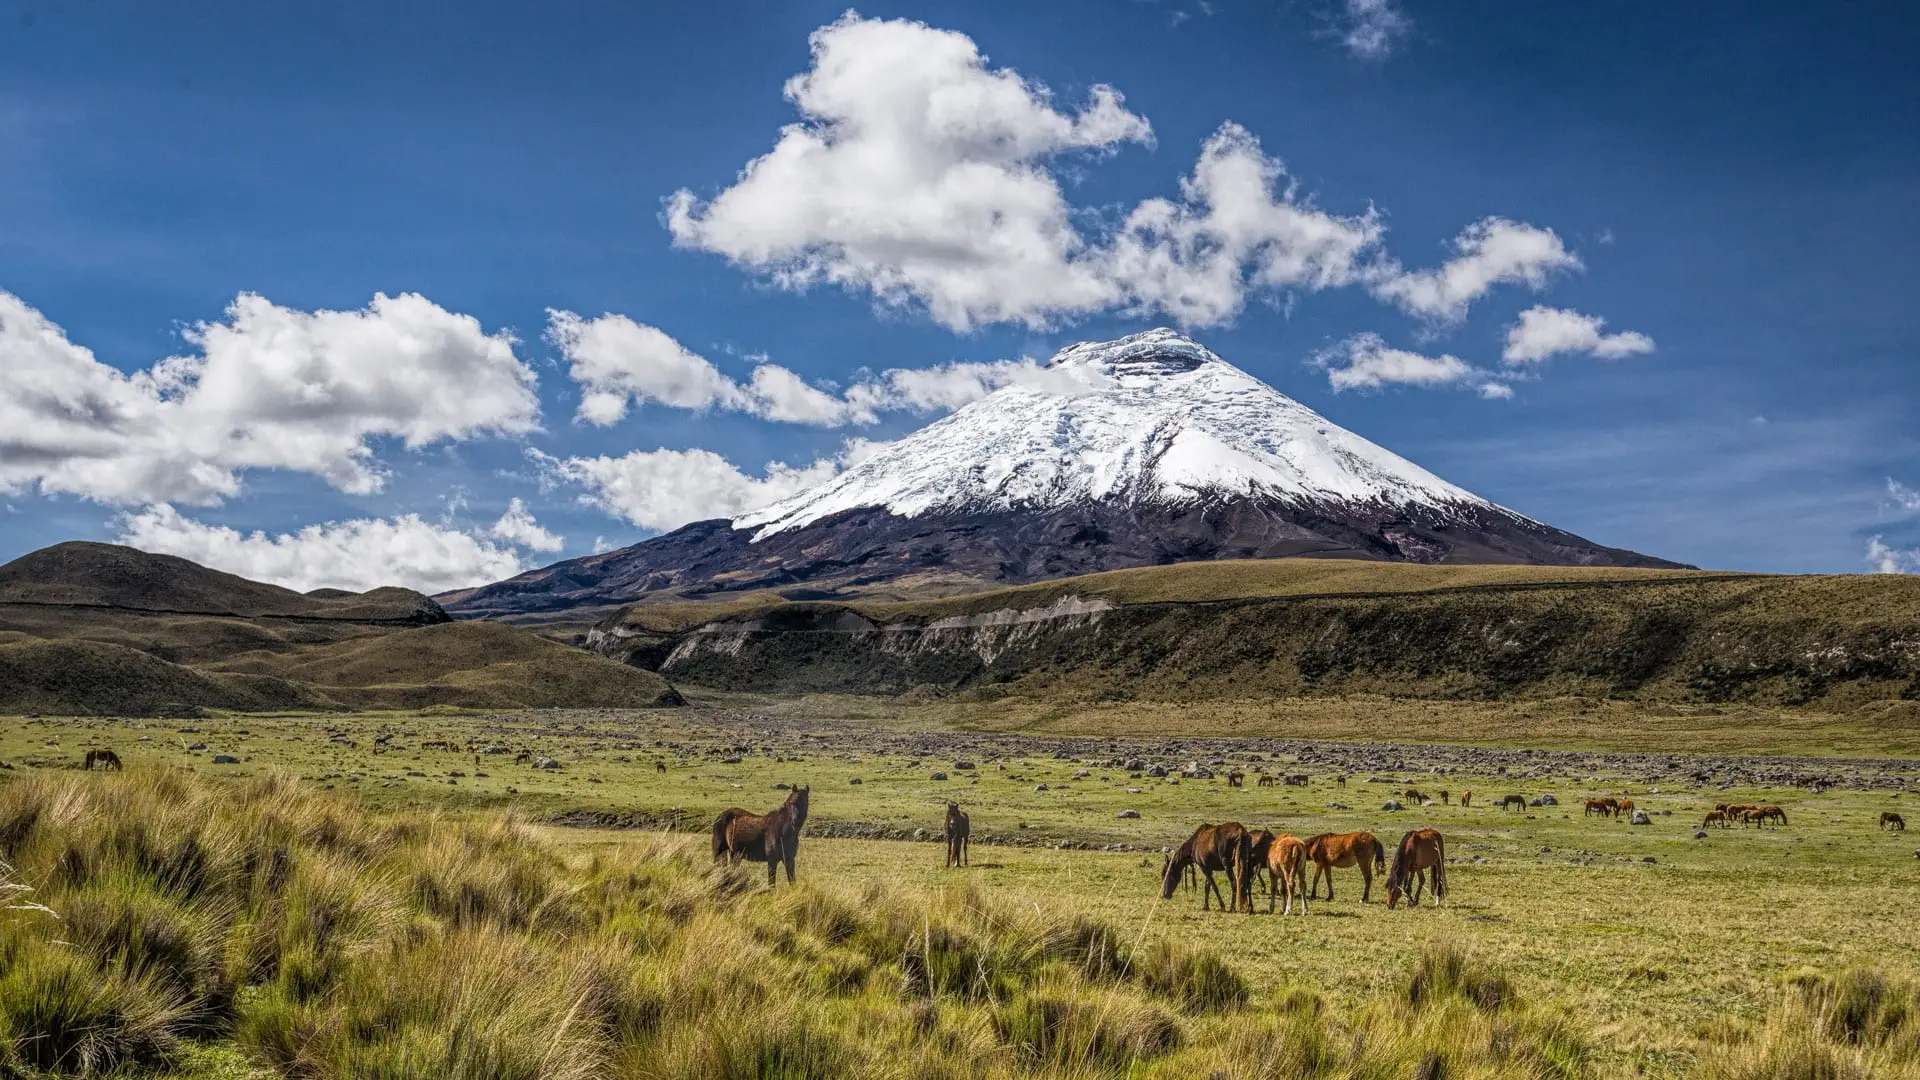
1724 815
1243 855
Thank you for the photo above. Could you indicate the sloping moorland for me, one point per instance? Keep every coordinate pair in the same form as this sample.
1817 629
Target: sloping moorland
104 630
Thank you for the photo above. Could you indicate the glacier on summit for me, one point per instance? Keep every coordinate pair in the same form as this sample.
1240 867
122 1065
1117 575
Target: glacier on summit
1157 419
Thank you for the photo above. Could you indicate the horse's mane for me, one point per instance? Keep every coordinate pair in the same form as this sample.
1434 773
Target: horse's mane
1399 858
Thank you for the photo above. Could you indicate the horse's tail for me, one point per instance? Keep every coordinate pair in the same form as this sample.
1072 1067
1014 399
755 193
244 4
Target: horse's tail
1379 854
1439 868
720 832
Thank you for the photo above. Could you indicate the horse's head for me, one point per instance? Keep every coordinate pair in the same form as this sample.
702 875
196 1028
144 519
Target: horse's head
1170 875
797 799
952 807
1394 889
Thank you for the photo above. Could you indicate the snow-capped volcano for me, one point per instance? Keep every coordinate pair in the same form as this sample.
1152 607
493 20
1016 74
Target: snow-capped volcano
1135 452
1152 419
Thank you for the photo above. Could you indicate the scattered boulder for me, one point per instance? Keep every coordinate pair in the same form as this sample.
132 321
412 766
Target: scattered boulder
545 763
1548 800
1157 771
1391 804
225 759
1127 814
855 780
1700 835
1039 787
964 766
938 776
1640 817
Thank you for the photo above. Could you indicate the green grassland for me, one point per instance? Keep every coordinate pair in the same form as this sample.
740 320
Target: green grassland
1653 957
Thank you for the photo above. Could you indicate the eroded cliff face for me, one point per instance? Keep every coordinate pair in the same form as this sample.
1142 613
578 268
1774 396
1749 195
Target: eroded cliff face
1701 640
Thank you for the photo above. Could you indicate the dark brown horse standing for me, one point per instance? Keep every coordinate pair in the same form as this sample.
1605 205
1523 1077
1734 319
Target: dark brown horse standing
769 838
1421 852
1891 820
1226 847
102 758
958 829
1334 850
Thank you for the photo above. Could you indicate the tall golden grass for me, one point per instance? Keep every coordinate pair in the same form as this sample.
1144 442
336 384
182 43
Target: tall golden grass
148 913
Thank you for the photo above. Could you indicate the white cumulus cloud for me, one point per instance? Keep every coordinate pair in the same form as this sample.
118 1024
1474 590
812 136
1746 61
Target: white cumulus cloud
356 555
1238 225
1493 251
1886 559
917 173
1544 331
1367 362
1903 496
269 387
665 489
517 526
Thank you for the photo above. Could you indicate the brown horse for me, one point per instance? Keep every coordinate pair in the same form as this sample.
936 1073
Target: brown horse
1518 802
1421 852
1338 850
1226 847
1265 780
1716 817
102 758
1603 807
1445 799
958 829
1466 798
1891 820
1773 813
1235 778
1414 796
773 838
1286 862
1625 809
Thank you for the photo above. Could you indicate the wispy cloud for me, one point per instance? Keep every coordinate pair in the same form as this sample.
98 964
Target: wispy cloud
1372 29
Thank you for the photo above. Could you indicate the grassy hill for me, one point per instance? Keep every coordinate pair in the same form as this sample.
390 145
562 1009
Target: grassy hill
1287 628
103 630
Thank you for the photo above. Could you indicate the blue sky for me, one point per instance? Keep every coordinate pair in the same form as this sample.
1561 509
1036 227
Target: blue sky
1739 185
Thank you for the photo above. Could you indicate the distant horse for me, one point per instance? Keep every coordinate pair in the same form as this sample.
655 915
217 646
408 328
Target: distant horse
958 829
1226 847
1752 817
1518 802
1338 850
1300 780
1717 817
1891 820
1421 852
1466 798
1414 797
1772 813
1341 780
1286 862
773 838
1265 780
659 766
523 758
1603 807
102 758
1445 800
1235 777
1625 809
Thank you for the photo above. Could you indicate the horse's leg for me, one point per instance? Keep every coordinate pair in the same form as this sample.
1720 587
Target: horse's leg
1366 879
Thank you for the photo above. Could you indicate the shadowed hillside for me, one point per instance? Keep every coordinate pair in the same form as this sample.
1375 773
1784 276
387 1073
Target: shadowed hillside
100 629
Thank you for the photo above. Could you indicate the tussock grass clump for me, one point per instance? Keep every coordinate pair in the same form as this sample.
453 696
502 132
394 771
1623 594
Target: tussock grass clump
1851 1026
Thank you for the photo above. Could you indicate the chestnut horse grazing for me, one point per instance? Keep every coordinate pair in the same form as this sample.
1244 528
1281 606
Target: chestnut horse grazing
1603 807
1331 850
102 758
1891 820
1625 809
1226 847
1716 817
1773 813
773 838
1286 860
1466 798
1421 852
958 829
